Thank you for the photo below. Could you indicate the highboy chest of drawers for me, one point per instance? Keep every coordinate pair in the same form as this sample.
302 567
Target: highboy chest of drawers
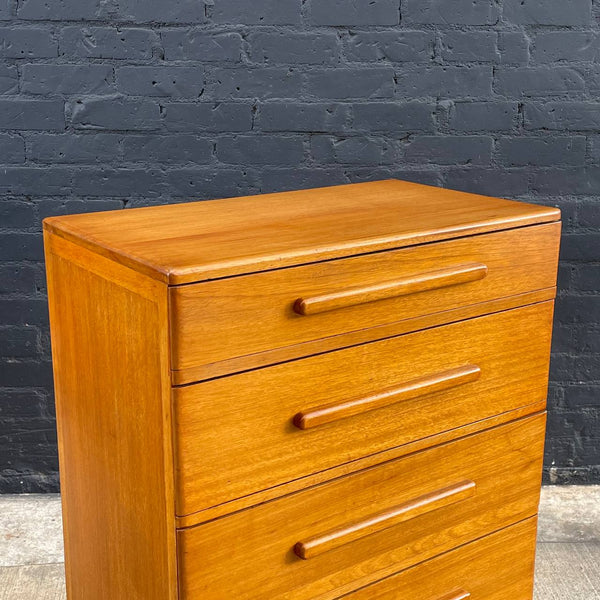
330 393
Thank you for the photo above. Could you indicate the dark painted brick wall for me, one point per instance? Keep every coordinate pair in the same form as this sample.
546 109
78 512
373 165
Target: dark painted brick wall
116 103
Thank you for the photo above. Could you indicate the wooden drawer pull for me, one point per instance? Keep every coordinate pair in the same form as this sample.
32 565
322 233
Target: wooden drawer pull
432 280
458 595
335 538
407 391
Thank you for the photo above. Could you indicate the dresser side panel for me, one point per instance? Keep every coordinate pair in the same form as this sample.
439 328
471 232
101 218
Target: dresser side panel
109 346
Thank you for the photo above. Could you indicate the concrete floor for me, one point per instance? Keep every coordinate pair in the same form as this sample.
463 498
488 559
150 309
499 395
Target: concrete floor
568 559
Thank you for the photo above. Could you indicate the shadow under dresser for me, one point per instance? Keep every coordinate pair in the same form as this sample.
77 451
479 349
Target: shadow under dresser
321 394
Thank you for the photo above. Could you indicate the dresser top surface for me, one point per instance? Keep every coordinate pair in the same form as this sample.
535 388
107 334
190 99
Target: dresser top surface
197 241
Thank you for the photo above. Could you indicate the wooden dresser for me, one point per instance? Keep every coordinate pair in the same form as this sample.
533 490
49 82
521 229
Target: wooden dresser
329 393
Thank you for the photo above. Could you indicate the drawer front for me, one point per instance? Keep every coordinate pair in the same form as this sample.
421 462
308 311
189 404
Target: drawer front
267 312
341 535
497 567
249 432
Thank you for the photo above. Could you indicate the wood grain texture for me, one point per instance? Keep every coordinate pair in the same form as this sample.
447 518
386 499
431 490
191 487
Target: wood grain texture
295 485
325 542
235 435
361 336
250 554
413 388
109 347
217 320
196 241
458 595
496 567
421 282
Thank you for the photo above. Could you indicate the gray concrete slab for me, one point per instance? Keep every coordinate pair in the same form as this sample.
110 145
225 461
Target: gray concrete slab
569 513
30 530
567 571
33 582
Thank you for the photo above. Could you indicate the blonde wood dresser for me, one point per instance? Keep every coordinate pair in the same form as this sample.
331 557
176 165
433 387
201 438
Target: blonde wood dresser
328 393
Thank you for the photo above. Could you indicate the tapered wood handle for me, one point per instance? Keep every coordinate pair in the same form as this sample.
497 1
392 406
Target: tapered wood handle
335 538
414 388
457 595
431 280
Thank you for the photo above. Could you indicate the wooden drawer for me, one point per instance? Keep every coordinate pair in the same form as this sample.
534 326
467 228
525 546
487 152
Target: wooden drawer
248 432
336 537
497 567
264 313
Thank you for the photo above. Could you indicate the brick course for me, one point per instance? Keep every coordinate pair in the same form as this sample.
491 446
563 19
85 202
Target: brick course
106 105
